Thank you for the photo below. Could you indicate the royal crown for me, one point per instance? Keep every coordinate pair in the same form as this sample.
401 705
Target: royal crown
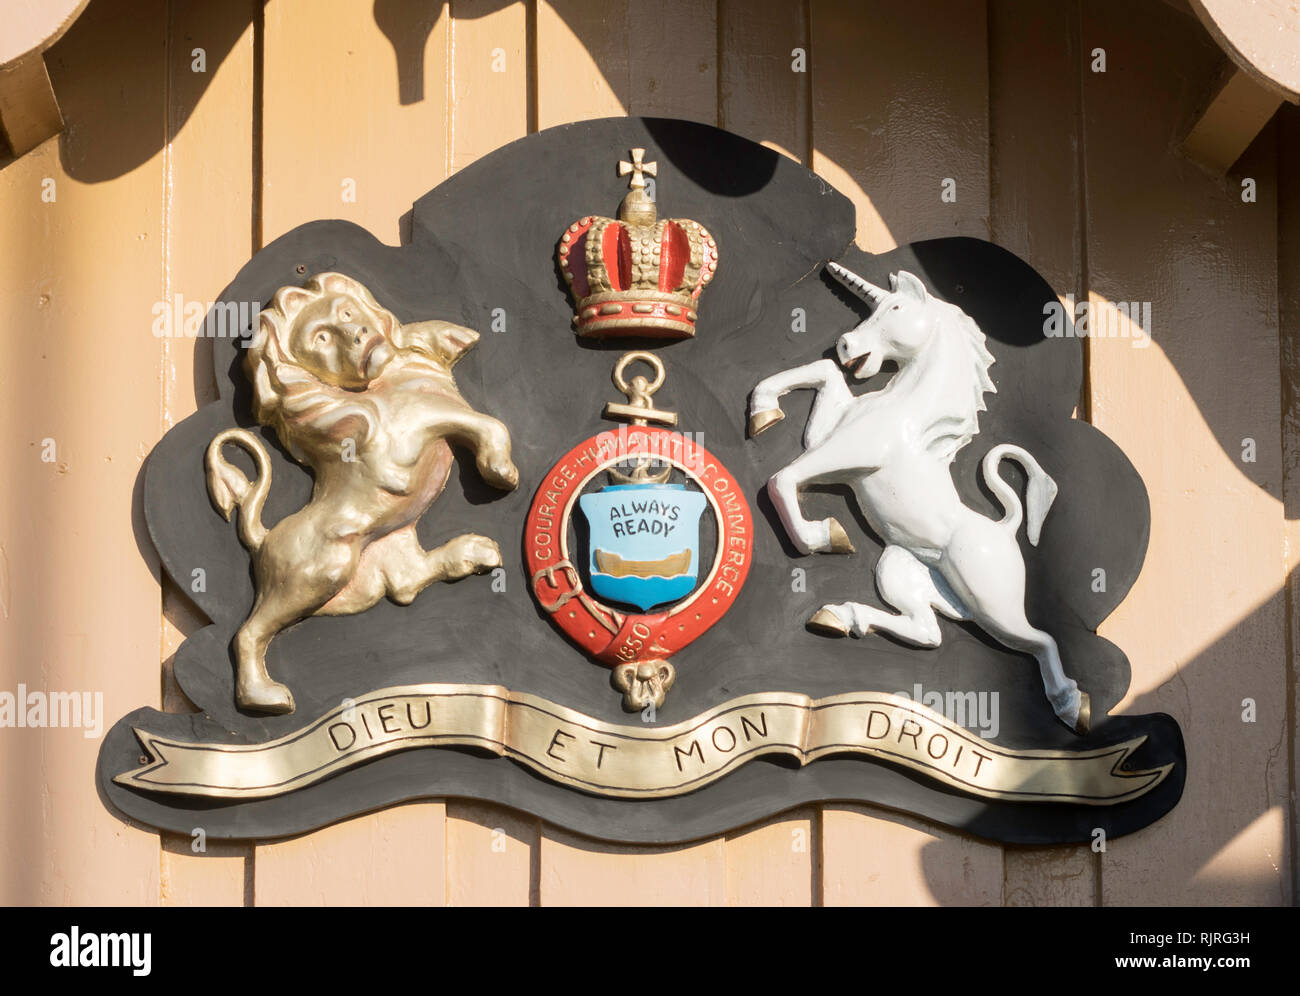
637 275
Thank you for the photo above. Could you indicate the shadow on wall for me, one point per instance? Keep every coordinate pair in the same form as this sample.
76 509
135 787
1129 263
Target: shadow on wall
1199 872
108 136
407 26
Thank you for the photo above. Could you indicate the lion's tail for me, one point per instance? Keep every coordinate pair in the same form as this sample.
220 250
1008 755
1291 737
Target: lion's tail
229 487
1039 494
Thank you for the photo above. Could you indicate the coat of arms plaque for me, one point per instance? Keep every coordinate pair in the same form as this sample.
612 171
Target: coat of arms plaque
509 513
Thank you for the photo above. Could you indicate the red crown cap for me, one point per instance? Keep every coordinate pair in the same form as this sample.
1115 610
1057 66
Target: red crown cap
637 276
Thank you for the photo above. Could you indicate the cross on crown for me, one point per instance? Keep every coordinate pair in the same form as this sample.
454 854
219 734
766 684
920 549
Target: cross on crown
638 169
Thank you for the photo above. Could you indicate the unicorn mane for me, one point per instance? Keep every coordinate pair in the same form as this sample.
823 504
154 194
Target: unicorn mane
955 426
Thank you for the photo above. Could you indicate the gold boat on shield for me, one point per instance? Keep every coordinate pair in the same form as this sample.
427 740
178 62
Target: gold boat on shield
616 566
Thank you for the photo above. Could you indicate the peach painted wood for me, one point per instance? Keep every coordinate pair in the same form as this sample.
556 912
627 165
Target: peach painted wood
337 142
79 597
598 58
491 850
1205 625
393 858
1050 876
886 132
609 57
871 858
760 96
577 871
208 161
583 71
492 855
192 870
1034 211
1035 201
775 863
334 82
489 80
161 186
889 129
221 875
770 864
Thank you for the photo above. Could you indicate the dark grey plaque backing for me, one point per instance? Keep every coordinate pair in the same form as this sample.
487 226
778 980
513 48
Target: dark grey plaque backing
484 240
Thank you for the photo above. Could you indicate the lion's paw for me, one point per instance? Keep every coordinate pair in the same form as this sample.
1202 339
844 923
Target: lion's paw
265 696
472 554
500 472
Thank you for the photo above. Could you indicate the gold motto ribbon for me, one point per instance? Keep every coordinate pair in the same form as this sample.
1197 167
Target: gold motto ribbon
641 761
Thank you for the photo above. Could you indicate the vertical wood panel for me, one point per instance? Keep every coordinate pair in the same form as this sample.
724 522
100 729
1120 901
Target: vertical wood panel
580 75
396 95
78 602
393 858
887 129
599 58
491 850
609 57
335 84
218 876
208 191
762 98
491 855
1050 876
772 864
489 81
1035 210
900 102
576 871
334 81
760 95
869 859
1204 626
1035 196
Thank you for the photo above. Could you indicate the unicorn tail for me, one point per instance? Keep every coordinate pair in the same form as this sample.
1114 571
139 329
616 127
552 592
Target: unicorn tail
1039 494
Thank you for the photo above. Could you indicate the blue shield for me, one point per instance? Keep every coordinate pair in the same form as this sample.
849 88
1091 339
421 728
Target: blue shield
645 541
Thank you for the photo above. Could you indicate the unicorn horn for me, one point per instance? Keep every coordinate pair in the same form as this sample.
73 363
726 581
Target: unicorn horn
869 292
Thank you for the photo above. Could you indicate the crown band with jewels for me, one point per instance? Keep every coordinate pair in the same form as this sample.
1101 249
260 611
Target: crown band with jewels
637 276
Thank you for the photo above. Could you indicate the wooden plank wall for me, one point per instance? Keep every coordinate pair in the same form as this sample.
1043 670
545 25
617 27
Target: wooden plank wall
168 179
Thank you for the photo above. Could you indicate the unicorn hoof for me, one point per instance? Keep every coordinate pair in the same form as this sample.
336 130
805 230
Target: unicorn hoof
1075 712
764 420
839 539
826 621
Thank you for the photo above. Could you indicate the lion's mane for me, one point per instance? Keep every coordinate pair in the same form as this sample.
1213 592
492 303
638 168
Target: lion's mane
288 397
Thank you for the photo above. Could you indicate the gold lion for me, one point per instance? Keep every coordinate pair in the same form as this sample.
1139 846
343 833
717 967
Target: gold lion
370 405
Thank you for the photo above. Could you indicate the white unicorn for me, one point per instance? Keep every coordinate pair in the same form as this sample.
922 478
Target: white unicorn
894 447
